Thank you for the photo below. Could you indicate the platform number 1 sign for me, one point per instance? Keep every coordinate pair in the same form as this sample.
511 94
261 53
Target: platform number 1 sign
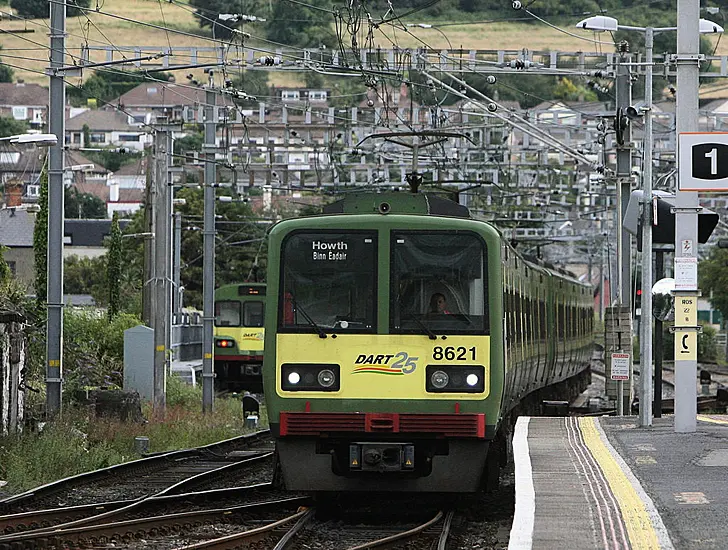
703 161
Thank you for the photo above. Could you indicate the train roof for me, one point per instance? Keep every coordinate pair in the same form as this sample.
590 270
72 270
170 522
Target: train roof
362 202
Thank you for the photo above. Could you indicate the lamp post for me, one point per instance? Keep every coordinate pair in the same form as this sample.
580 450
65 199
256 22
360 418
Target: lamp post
39 140
604 23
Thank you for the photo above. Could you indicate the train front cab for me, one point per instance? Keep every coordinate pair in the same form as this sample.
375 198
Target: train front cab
367 388
239 337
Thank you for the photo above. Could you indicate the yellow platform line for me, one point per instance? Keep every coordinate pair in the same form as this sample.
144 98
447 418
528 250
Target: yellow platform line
640 530
712 420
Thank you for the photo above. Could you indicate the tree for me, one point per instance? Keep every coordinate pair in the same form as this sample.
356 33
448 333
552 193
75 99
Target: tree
111 159
83 275
297 25
253 83
568 91
83 206
6 73
40 242
40 9
240 243
207 11
108 85
113 267
713 274
10 127
4 267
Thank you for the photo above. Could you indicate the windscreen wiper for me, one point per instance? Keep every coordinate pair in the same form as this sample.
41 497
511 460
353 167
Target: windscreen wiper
310 321
431 335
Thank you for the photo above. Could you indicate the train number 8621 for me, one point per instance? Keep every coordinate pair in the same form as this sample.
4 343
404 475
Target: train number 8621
452 353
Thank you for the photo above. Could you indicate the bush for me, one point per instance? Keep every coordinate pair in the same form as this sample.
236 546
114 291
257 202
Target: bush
182 394
93 349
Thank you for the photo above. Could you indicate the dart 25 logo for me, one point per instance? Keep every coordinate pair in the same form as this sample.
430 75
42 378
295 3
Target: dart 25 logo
397 364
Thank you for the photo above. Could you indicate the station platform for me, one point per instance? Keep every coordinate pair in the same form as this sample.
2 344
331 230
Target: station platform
588 483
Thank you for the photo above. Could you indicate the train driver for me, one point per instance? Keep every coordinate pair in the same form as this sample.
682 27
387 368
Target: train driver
438 304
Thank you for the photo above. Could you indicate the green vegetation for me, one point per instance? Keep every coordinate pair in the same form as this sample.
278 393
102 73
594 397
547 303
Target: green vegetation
83 206
713 274
111 159
76 443
40 242
107 85
10 127
113 268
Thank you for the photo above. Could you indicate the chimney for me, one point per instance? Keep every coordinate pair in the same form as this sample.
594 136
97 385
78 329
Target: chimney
21 82
13 193
114 192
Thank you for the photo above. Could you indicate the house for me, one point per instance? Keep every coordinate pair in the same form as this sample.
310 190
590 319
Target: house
127 187
20 175
107 129
26 102
178 102
82 173
85 238
16 233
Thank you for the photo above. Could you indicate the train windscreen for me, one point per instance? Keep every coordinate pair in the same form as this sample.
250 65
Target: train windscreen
328 282
438 283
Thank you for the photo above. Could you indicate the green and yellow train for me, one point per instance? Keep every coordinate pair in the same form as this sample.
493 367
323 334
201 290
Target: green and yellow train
239 337
370 384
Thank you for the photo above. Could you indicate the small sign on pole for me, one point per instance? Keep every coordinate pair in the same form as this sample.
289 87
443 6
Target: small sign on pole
620 366
686 273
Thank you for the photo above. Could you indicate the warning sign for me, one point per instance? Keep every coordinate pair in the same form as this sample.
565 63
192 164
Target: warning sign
620 366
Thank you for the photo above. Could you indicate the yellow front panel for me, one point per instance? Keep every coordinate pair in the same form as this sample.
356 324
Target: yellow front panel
383 366
247 338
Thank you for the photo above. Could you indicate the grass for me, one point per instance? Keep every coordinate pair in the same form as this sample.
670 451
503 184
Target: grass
29 51
75 443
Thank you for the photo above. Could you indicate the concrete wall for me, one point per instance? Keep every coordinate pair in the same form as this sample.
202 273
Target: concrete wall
13 366
24 259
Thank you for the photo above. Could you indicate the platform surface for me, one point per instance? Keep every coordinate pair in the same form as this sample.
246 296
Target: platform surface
607 483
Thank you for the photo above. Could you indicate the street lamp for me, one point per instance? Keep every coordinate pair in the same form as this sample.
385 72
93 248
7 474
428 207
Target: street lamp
39 140
603 23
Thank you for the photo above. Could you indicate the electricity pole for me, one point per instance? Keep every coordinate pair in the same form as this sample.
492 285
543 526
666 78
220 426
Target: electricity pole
686 216
57 113
162 288
208 278
624 175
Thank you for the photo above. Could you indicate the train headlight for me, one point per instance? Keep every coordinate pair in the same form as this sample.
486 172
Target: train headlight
439 379
326 378
310 377
455 379
225 343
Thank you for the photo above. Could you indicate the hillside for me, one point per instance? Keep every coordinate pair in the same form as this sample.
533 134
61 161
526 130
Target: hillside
27 51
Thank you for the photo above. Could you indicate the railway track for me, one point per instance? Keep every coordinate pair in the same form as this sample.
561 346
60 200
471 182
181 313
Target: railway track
171 472
159 531
308 532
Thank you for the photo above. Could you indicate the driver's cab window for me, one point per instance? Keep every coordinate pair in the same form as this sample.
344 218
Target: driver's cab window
438 283
253 315
227 314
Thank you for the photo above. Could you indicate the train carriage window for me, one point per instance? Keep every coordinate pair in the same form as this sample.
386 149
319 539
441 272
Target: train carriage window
227 314
427 263
253 314
328 282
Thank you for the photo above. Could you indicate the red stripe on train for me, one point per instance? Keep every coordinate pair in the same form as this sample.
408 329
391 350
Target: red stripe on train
449 425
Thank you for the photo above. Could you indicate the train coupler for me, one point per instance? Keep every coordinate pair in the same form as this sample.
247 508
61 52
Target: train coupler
381 457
